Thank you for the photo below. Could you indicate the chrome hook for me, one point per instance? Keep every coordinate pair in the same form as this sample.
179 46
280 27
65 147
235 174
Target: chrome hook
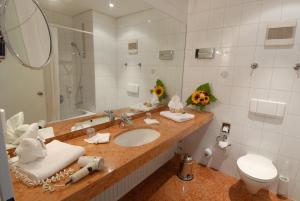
297 67
254 66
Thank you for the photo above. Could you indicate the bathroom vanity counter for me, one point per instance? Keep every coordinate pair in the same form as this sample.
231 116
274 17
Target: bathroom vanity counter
119 161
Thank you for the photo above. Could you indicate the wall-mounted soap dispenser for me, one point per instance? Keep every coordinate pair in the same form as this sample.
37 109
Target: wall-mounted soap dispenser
2 48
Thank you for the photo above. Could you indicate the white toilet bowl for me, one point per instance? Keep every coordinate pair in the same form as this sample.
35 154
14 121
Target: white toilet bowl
257 172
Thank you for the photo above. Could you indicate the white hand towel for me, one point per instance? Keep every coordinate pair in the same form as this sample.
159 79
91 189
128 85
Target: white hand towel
151 121
178 117
141 107
98 138
30 150
59 156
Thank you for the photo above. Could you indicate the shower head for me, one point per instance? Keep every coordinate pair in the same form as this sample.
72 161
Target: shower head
73 44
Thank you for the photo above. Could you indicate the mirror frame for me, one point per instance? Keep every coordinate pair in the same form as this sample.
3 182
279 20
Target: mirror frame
8 44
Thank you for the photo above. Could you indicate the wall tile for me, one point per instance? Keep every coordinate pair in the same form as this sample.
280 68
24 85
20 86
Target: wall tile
239 96
248 35
252 137
233 15
244 56
271 10
251 12
230 36
294 105
261 78
290 9
270 141
216 18
290 147
264 57
196 6
282 79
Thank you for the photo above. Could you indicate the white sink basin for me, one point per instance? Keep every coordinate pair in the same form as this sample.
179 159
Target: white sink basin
136 137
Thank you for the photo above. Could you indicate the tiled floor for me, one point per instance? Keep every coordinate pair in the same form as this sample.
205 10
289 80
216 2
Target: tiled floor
207 185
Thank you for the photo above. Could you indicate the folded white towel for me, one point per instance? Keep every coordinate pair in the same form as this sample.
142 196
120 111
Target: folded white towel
178 117
98 138
12 125
31 132
151 121
59 156
46 133
30 150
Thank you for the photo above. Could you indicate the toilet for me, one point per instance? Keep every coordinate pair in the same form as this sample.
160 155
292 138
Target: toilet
257 172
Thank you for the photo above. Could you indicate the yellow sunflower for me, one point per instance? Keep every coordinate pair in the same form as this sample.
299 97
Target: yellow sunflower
204 98
159 91
196 97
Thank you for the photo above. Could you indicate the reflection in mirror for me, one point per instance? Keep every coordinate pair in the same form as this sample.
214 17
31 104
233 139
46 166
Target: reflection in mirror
26 32
103 59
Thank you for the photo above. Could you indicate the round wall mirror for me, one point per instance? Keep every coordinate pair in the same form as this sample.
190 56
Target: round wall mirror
26 32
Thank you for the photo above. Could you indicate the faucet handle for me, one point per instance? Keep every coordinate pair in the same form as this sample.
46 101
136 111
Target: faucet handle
124 116
110 114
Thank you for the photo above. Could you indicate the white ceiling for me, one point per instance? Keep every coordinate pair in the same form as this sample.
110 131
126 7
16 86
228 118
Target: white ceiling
73 7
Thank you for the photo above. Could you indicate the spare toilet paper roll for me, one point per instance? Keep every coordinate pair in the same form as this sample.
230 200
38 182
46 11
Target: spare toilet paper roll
283 186
208 152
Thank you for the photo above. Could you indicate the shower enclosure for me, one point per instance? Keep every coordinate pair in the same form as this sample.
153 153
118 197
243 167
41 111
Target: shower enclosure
74 70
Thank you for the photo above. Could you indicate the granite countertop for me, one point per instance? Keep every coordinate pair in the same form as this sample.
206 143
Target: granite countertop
119 161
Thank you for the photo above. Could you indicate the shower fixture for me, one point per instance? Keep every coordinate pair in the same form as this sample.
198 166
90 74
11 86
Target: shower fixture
79 87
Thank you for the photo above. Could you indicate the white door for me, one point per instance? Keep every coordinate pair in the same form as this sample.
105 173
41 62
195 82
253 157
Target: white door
22 89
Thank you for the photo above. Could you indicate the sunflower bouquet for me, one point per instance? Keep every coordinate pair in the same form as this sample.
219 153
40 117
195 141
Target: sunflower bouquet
201 97
159 90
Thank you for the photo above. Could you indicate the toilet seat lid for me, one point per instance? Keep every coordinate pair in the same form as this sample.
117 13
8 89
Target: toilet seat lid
257 167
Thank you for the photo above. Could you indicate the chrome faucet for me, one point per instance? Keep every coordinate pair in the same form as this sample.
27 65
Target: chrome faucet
125 119
110 114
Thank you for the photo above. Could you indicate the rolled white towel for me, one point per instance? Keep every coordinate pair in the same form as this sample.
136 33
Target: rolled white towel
151 121
30 150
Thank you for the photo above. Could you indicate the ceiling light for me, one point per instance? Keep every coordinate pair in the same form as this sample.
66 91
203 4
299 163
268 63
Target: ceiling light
111 5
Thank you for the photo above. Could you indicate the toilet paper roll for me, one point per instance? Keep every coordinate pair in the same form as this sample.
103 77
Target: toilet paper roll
283 186
208 152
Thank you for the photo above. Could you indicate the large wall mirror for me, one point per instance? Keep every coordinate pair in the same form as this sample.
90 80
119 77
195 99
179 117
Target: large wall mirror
107 55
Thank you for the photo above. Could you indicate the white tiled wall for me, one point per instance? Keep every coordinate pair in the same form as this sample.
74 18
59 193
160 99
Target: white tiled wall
154 31
237 29
105 59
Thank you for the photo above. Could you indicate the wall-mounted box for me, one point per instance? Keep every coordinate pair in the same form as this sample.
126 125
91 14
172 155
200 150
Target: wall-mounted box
133 88
267 108
281 34
205 53
166 54
133 47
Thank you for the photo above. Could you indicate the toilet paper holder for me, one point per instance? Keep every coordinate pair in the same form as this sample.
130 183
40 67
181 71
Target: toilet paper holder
222 141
